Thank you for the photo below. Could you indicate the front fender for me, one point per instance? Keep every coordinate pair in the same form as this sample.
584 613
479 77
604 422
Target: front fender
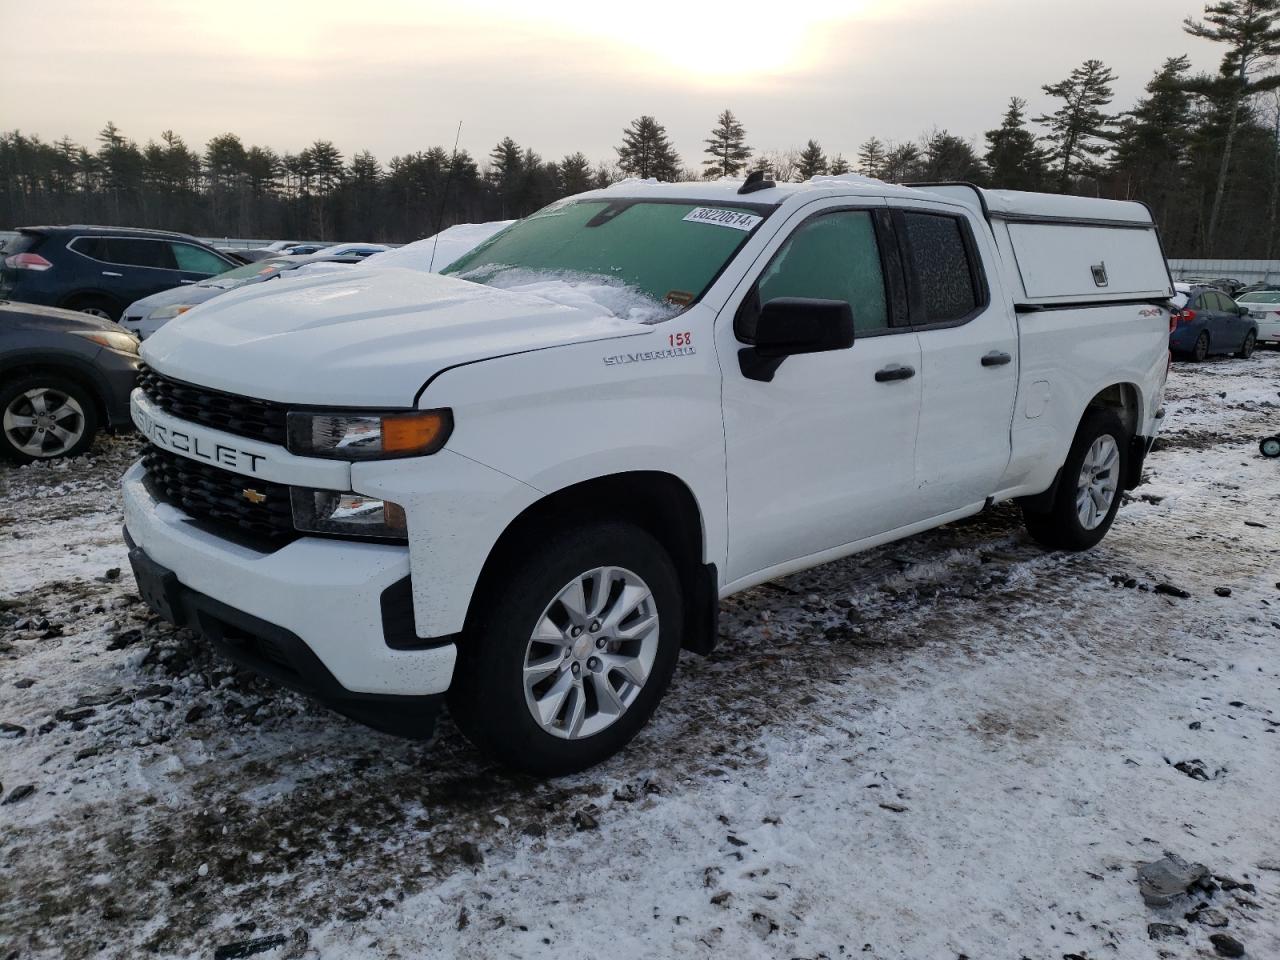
557 417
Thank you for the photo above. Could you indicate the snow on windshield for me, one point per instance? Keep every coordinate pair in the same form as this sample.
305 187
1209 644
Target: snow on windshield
602 296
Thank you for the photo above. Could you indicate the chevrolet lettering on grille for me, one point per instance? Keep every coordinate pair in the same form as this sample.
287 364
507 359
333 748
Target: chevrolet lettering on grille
192 445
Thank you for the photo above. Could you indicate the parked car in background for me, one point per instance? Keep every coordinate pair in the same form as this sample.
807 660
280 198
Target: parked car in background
432 254
1206 322
63 377
1255 287
304 249
247 256
361 250
146 316
1264 308
100 270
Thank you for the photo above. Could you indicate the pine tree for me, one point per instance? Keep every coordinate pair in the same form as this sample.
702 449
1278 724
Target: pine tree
945 157
902 164
646 151
871 158
1152 145
839 165
1080 129
1014 155
506 168
1251 31
812 162
727 147
575 174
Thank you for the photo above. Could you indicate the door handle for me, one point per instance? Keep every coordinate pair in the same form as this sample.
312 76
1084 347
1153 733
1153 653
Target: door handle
895 373
188 281
111 273
996 358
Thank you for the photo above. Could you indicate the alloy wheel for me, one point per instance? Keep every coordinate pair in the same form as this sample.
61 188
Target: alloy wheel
43 422
591 652
1098 483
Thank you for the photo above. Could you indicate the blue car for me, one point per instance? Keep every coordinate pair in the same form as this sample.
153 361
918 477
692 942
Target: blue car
1206 322
101 270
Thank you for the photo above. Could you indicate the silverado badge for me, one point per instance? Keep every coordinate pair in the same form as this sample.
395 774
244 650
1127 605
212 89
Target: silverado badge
253 496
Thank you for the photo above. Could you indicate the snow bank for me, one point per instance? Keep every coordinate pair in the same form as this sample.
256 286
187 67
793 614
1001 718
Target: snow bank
438 251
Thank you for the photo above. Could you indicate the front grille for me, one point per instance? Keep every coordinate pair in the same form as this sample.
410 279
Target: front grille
243 416
219 497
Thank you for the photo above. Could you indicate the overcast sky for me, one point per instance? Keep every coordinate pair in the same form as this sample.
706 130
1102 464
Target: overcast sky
395 76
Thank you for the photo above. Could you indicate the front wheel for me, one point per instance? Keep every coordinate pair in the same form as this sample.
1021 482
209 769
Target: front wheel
1246 348
575 645
43 417
1089 488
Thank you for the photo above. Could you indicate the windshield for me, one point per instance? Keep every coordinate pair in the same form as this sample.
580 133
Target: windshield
638 259
270 265
1261 296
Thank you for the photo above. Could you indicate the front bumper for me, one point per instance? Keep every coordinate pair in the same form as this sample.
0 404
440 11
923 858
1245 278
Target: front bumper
325 594
118 375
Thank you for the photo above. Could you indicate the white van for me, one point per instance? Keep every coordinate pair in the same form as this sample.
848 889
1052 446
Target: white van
526 484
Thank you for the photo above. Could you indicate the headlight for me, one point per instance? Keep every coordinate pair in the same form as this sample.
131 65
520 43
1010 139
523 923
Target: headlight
348 514
169 312
371 436
119 342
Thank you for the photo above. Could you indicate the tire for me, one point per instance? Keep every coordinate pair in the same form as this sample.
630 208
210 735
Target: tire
579 727
102 307
1200 352
1270 446
44 416
1246 348
1062 527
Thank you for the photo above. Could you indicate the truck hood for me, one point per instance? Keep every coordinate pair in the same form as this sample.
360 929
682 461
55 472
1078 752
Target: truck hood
361 338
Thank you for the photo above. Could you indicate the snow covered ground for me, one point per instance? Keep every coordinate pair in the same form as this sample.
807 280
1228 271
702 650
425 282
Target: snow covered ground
956 745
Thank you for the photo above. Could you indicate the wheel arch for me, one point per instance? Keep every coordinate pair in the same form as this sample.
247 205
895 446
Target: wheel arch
1125 399
660 503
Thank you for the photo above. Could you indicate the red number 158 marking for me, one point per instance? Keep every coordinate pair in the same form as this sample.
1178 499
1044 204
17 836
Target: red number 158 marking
680 339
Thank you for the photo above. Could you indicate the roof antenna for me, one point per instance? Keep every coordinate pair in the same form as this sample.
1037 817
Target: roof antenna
444 197
756 181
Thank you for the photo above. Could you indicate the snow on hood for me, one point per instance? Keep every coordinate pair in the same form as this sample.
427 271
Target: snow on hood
593 294
361 338
438 251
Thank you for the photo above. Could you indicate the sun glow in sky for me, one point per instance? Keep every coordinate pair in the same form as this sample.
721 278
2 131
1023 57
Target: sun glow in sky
394 76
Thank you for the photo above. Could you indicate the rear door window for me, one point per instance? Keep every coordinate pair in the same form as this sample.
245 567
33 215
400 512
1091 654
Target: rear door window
137 252
195 259
946 283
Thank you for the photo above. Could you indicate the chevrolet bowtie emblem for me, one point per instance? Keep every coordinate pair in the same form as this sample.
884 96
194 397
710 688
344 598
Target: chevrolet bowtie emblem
253 496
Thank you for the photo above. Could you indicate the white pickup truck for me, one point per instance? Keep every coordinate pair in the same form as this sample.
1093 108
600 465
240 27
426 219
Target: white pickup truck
526 484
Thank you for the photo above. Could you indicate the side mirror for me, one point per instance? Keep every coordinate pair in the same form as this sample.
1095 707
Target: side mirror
795 325
1243 311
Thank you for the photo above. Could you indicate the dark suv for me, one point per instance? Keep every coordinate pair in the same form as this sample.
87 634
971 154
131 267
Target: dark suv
101 270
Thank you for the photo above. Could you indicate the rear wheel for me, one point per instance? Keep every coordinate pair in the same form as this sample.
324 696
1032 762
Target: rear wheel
1246 348
575 646
1088 493
1201 350
44 416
